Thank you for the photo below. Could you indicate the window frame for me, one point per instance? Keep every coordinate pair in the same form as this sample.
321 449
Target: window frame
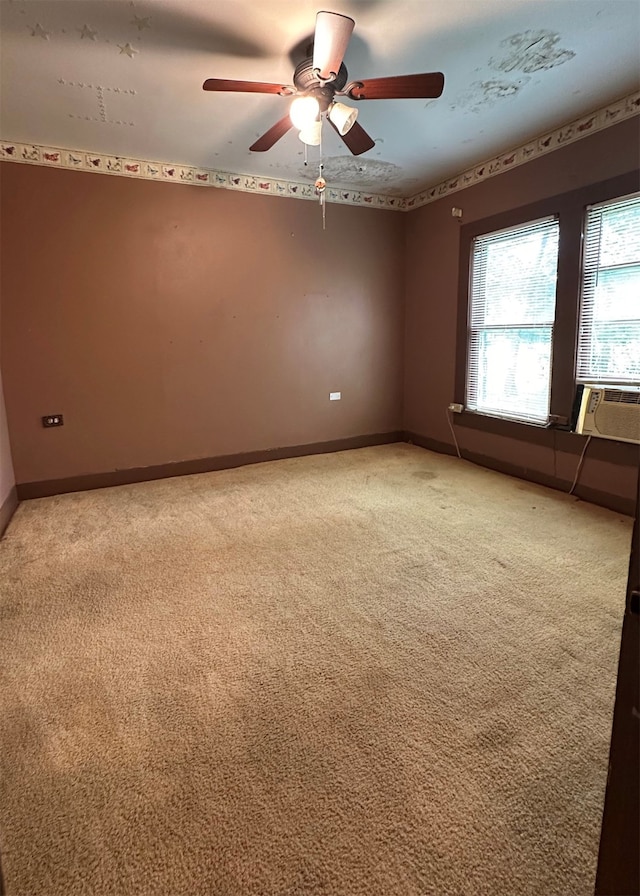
588 290
516 231
570 209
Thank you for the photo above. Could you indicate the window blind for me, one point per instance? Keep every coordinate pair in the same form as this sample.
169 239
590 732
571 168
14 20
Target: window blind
609 330
511 316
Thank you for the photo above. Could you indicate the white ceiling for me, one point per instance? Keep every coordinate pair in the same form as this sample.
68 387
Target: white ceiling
125 78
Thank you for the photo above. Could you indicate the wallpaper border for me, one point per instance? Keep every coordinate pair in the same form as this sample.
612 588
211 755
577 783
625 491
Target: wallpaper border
99 163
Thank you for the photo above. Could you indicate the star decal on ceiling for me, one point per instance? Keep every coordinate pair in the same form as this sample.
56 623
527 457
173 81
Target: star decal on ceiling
128 50
88 31
39 31
141 22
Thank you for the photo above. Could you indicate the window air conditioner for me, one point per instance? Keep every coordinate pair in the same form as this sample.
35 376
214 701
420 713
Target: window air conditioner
610 413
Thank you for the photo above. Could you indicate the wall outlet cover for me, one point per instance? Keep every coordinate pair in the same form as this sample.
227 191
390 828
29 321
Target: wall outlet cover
52 420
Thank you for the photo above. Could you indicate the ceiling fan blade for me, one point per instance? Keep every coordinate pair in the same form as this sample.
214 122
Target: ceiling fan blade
272 136
426 86
333 32
247 86
356 138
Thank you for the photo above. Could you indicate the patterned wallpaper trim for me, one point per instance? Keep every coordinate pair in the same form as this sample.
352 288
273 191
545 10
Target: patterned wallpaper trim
34 154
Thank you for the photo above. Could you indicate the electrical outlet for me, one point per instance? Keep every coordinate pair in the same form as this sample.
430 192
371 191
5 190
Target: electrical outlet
456 408
335 396
52 420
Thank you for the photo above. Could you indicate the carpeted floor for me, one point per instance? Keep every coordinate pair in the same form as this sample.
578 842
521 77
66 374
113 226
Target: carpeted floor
382 672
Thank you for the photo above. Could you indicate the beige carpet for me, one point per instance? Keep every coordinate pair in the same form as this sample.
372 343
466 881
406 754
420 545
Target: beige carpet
377 672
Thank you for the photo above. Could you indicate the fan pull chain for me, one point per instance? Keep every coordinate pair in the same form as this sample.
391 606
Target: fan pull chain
321 186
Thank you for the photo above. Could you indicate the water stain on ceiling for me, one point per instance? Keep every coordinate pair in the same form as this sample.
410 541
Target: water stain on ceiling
482 94
532 51
366 173
529 51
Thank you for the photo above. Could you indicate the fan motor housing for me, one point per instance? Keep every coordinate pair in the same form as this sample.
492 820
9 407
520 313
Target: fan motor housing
307 82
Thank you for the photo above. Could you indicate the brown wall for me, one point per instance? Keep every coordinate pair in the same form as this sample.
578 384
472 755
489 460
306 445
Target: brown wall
431 313
169 322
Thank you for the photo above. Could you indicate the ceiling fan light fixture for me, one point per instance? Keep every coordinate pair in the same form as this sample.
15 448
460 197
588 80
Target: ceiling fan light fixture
342 117
319 78
304 111
311 135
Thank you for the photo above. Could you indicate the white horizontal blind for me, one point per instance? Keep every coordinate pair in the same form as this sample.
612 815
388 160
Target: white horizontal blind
609 332
511 316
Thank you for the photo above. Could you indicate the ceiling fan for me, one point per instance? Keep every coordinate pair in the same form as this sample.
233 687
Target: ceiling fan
319 79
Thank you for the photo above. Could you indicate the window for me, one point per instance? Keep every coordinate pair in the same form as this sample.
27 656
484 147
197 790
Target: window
548 296
511 321
609 333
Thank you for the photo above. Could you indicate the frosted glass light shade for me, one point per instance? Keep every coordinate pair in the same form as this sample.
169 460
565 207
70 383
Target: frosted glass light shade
311 135
343 117
304 111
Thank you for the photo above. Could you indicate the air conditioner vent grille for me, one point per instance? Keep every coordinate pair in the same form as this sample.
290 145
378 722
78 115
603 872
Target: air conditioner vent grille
617 420
622 396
